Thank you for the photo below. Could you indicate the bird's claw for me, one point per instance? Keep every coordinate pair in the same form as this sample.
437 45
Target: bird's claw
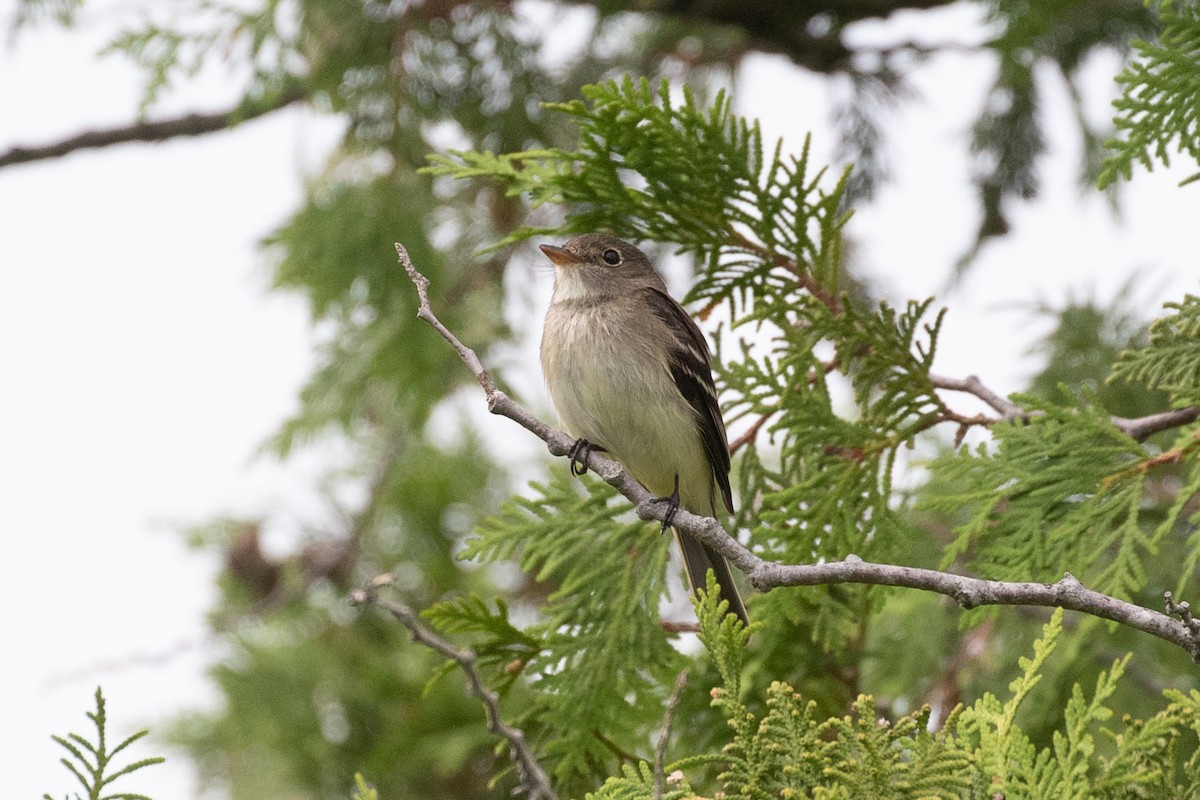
672 501
580 455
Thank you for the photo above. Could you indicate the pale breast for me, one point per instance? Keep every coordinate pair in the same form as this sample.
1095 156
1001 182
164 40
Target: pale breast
615 389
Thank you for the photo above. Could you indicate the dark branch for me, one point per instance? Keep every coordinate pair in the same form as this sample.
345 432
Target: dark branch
534 782
808 33
157 131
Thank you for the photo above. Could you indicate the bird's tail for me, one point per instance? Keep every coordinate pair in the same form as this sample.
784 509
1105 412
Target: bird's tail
698 559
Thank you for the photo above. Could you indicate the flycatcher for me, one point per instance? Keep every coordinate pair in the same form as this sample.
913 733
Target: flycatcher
628 372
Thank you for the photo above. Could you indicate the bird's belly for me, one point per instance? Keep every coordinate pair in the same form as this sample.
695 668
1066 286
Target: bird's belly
633 410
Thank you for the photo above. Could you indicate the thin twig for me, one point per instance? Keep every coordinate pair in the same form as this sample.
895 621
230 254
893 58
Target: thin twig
534 782
664 734
1183 611
971 384
1066 593
676 626
1137 428
751 433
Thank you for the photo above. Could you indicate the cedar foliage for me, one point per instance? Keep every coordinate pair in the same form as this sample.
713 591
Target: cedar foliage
312 695
1157 110
1060 489
93 762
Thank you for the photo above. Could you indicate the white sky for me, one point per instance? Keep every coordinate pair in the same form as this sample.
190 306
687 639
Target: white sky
142 361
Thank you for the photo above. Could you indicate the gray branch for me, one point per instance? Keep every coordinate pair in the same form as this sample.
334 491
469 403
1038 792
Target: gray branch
534 782
971 384
1137 428
1066 593
1142 428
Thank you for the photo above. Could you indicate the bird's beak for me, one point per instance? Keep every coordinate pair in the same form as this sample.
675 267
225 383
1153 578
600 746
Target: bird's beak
560 257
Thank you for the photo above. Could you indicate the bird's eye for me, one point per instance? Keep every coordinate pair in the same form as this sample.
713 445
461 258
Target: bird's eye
611 257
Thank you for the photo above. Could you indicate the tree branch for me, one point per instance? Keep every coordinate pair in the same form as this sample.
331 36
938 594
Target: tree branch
1138 428
157 131
1067 593
534 782
971 384
1142 428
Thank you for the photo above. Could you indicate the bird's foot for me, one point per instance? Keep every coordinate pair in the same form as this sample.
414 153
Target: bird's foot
580 455
672 501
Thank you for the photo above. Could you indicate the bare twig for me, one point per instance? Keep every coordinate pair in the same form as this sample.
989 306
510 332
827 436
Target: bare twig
1142 428
157 131
971 384
1138 428
1066 593
664 733
751 433
676 626
534 782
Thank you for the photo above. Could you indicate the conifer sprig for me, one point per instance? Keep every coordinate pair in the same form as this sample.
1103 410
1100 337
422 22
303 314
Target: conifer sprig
1171 360
599 636
91 761
1159 109
787 750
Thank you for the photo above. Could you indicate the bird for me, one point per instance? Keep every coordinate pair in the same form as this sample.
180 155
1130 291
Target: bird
629 373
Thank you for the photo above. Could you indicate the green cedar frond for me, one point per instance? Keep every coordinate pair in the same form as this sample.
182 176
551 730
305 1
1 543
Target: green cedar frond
781 755
600 636
636 782
1061 491
1075 747
650 167
1184 710
1004 755
92 761
1159 108
163 55
501 645
830 493
31 12
981 751
1171 361
725 637
362 789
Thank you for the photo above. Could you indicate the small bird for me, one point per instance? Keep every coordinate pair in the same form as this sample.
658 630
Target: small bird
628 372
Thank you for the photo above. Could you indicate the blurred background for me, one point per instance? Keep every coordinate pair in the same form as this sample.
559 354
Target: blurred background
218 411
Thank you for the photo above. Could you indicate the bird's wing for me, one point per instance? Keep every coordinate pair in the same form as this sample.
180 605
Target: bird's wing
690 369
